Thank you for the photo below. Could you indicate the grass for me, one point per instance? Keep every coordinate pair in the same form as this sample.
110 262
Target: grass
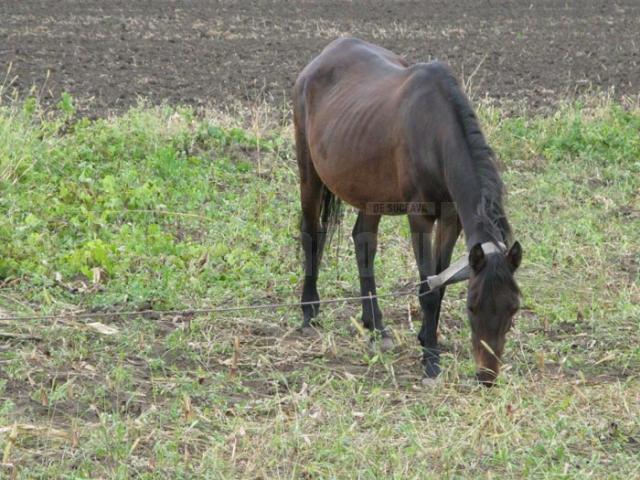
161 208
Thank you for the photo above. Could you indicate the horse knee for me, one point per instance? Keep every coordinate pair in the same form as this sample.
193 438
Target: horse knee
430 301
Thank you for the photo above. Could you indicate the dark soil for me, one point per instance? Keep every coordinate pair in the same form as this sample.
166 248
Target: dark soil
107 53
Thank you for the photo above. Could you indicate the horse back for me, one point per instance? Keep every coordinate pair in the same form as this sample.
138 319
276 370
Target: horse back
359 107
343 64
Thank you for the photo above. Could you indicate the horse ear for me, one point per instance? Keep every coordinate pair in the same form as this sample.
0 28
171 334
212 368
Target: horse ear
477 259
514 256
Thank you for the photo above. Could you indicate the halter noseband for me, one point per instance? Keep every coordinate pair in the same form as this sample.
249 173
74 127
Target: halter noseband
459 271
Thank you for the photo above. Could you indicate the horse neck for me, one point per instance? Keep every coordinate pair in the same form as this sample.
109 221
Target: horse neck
466 189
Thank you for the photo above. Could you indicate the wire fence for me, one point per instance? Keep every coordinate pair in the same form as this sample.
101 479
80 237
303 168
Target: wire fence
209 310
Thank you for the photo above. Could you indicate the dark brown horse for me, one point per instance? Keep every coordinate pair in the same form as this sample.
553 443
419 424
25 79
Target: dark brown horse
388 137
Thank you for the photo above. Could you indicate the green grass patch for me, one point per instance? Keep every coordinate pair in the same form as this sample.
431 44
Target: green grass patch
163 209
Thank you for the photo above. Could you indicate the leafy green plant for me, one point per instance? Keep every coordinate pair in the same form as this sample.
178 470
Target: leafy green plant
161 209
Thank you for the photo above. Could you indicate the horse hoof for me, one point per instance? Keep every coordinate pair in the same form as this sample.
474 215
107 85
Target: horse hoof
386 345
430 382
488 379
308 332
431 369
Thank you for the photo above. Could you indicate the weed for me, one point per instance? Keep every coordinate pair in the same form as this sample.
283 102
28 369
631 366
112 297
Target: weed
160 209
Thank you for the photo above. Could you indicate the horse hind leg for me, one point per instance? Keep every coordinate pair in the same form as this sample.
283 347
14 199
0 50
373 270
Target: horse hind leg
312 234
365 239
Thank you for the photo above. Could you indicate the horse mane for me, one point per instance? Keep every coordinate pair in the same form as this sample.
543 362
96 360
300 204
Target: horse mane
490 213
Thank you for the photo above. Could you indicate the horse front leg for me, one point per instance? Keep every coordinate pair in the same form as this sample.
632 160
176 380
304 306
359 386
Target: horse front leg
421 229
448 230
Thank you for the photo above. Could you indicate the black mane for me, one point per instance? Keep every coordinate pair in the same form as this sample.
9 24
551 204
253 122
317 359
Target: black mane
491 214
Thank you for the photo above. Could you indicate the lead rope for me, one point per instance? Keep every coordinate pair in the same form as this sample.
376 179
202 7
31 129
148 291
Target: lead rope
454 273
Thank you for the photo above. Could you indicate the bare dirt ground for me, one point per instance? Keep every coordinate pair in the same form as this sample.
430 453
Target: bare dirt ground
107 53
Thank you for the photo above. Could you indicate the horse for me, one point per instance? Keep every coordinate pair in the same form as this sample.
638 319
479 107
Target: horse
388 137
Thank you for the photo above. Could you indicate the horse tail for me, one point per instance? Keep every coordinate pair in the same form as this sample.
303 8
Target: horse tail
330 213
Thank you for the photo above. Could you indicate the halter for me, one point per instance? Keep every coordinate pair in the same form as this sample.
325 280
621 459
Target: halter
459 271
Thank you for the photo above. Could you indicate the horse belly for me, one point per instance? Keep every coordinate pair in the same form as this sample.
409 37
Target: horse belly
362 177
357 145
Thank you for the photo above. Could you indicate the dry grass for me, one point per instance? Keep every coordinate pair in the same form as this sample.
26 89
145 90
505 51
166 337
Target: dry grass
250 397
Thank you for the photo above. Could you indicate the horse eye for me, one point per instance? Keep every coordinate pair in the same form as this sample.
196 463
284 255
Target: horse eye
472 310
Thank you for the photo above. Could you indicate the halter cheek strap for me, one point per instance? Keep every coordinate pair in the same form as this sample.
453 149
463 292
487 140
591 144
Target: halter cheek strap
459 270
